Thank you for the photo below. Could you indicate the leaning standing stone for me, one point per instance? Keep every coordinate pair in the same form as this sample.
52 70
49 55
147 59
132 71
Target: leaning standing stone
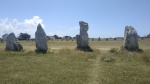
12 44
131 39
41 40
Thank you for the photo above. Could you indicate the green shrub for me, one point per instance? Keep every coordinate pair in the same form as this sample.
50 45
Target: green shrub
113 50
146 56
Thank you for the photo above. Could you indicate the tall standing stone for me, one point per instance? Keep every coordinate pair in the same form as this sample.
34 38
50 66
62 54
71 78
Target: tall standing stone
12 44
83 38
131 39
41 40
83 33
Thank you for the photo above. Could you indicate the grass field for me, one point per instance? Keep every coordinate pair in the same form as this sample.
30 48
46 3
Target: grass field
64 65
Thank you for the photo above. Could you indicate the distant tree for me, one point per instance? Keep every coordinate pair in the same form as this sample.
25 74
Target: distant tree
73 37
106 39
67 37
99 39
23 36
142 38
115 38
148 35
56 37
92 39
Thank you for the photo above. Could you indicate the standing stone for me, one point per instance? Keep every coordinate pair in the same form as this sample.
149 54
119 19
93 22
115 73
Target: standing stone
83 38
1 40
78 41
41 40
12 44
99 39
4 37
131 39
83 33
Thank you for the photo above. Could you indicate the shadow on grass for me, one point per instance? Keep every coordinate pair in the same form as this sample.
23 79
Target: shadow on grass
123 50
85 49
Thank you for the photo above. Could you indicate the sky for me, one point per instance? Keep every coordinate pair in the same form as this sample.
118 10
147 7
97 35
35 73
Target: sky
106 18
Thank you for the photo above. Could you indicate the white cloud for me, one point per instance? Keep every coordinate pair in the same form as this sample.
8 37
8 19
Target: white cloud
27 26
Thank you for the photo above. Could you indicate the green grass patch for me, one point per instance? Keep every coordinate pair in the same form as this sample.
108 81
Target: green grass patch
125 68
64 66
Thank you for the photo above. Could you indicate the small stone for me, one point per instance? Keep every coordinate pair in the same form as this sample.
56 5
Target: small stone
12 44
131 39
41 40
18 46
4 37
78 40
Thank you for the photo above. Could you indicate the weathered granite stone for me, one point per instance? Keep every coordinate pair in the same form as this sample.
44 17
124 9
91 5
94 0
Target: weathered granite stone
78 41
131 39
18 46
83 38
1 40
83 34
12 44
41 40
4 37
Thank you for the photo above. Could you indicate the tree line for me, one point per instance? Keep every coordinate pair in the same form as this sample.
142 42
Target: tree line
26 36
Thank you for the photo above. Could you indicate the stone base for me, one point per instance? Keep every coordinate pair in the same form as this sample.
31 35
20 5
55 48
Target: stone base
15 47
133 49
85 49
18 47
41 51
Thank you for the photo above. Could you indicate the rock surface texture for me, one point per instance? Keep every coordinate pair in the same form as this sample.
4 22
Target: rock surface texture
4 37
41 40
83 38
78 41
12 44
131 39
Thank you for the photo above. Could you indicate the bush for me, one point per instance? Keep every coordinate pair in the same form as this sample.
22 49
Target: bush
113 50
146 56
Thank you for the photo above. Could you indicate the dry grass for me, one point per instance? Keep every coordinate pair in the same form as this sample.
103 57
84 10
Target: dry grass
125 68
102 45
64 65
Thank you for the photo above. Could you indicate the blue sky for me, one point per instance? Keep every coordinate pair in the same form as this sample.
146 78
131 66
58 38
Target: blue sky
106 18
